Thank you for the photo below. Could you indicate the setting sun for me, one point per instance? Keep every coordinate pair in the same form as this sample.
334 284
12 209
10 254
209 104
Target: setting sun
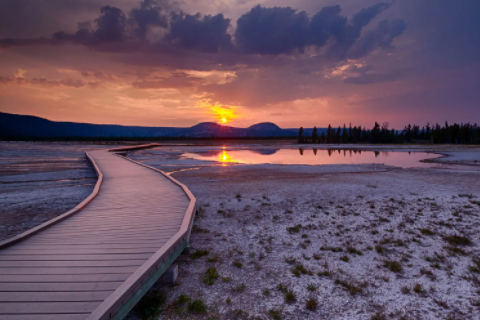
224 120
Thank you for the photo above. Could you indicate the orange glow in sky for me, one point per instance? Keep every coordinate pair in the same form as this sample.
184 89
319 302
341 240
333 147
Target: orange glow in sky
223 114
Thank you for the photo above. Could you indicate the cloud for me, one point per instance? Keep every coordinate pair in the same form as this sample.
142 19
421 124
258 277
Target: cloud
147 15
197 32
177 80
44 82
272 30
381 37
262 30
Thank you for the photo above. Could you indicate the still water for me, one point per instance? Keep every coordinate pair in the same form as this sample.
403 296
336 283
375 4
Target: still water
316 157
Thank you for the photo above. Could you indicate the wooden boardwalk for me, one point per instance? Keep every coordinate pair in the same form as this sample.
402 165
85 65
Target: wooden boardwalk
97 260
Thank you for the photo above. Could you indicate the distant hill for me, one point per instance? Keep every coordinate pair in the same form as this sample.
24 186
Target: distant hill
12 125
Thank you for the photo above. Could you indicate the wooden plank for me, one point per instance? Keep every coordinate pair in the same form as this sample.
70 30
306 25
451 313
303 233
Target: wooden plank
60 286
66 296
66 270
59 278
46 307
74 257
81 263
64 316
83 250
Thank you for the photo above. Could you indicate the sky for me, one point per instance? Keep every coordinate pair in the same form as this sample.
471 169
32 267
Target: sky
240 62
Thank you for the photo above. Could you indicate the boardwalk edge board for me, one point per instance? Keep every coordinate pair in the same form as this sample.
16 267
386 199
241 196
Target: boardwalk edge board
117 305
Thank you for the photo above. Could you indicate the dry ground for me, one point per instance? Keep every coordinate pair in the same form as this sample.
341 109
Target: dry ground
357 242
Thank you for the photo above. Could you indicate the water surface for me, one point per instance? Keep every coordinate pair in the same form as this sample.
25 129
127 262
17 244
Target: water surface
315 157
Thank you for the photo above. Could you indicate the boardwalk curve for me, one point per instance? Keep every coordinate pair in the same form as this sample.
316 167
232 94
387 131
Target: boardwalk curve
97 260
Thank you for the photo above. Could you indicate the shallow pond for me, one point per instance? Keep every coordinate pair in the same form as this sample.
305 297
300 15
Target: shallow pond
315 157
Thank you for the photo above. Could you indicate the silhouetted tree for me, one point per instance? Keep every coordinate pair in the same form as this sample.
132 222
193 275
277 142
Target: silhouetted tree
314 135
300 135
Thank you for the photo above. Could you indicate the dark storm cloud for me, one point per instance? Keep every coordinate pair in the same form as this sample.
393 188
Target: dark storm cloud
148 14
381 37
194 32
284 30
264 31
272 30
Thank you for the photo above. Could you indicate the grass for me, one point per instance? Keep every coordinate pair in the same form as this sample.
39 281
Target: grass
405 290
290 296
427 232
196 229
275 314
213 259
199 253
311 303
240 288
294 229
418 288
475 268
456 240
344 258
353 250
237 264
378 316
150 306
210 276
352 287
456 250
312 287
394 266
197 306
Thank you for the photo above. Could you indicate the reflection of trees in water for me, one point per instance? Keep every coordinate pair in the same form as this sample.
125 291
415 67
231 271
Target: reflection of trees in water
330 151
377 153
301 151
314 151
265 152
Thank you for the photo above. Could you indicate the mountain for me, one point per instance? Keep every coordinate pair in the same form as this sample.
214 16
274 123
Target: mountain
12 125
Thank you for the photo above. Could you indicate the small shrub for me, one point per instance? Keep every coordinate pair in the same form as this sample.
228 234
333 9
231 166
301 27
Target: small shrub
406 290
197 306
294 229
352 287
275 314
379 249
196 229
290 260
457 240
378 316
393 266
312 287
239 288
344 258
418 288
427 232
475 268
210 276
199 253
266 292
290 296
237 264
311 303
228 300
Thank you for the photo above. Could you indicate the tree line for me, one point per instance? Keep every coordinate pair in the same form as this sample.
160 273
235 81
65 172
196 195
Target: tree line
464 133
